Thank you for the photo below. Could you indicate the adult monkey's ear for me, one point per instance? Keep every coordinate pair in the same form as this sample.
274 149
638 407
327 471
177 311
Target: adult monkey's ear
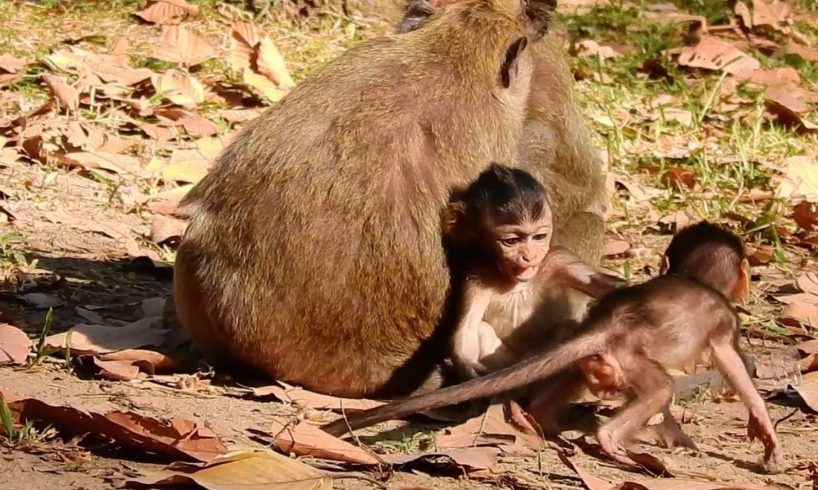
416 14
508 69
537 16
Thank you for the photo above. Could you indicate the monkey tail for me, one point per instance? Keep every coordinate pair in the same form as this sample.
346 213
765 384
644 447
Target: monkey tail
521 374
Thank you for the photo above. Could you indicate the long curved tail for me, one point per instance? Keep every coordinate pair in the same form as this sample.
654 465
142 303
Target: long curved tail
523 373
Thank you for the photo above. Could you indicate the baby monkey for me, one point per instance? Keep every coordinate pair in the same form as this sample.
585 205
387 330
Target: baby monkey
631 336
500 229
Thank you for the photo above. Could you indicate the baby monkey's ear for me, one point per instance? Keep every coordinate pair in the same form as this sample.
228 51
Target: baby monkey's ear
458 226
741 291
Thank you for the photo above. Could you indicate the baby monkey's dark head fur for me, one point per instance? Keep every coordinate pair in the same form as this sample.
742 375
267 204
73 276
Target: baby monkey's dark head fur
711 255
502 218
504 196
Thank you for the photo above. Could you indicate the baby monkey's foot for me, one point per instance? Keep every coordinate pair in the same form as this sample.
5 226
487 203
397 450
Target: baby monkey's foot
773 456
612 447
670 435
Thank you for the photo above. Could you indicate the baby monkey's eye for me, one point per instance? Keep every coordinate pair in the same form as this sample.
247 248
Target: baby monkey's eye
509 242
540 236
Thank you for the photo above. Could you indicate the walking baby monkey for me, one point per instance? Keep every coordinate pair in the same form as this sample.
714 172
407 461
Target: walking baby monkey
632 335
500 229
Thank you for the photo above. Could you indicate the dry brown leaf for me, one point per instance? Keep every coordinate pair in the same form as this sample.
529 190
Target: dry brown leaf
490 428
809 363
123 75
167 202
247 469
803 312
793 98
181 439
805 215
799 179
11 64
805 52
159 133
167 11
262 85
97 339
786 77
784 115
309 399
127 364
271 64
674 147
588 48
14 345
118 164
179 88
637 192
304 439
259 61
678 178
199 126
234 116
68 96
180 44
798 298
681 116
151 360
808 347
808 390
117 231
761 255
166 228
244 39
108 68
715 54
615 247
776 14
34 148
187 166
116 370
808 283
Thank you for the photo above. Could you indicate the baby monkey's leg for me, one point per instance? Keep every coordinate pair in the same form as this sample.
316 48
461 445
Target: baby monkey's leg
731 365
649 389
551 396
671 434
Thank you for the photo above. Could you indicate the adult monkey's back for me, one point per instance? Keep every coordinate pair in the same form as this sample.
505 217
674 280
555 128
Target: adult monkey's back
313 252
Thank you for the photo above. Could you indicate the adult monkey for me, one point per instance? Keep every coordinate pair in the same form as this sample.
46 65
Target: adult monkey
556 147
313 253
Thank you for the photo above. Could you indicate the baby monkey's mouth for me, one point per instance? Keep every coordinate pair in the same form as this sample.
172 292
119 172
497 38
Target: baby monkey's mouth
525 273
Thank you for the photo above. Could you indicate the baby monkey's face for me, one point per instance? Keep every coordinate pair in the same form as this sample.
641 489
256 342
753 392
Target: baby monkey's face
521 247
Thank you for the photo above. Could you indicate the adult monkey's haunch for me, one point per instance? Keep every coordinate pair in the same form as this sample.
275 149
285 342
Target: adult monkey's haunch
314 252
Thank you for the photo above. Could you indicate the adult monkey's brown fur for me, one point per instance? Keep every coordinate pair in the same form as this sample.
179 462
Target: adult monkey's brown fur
314 252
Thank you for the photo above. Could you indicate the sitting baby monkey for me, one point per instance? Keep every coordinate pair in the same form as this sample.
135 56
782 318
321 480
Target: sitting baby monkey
632 335
500 228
